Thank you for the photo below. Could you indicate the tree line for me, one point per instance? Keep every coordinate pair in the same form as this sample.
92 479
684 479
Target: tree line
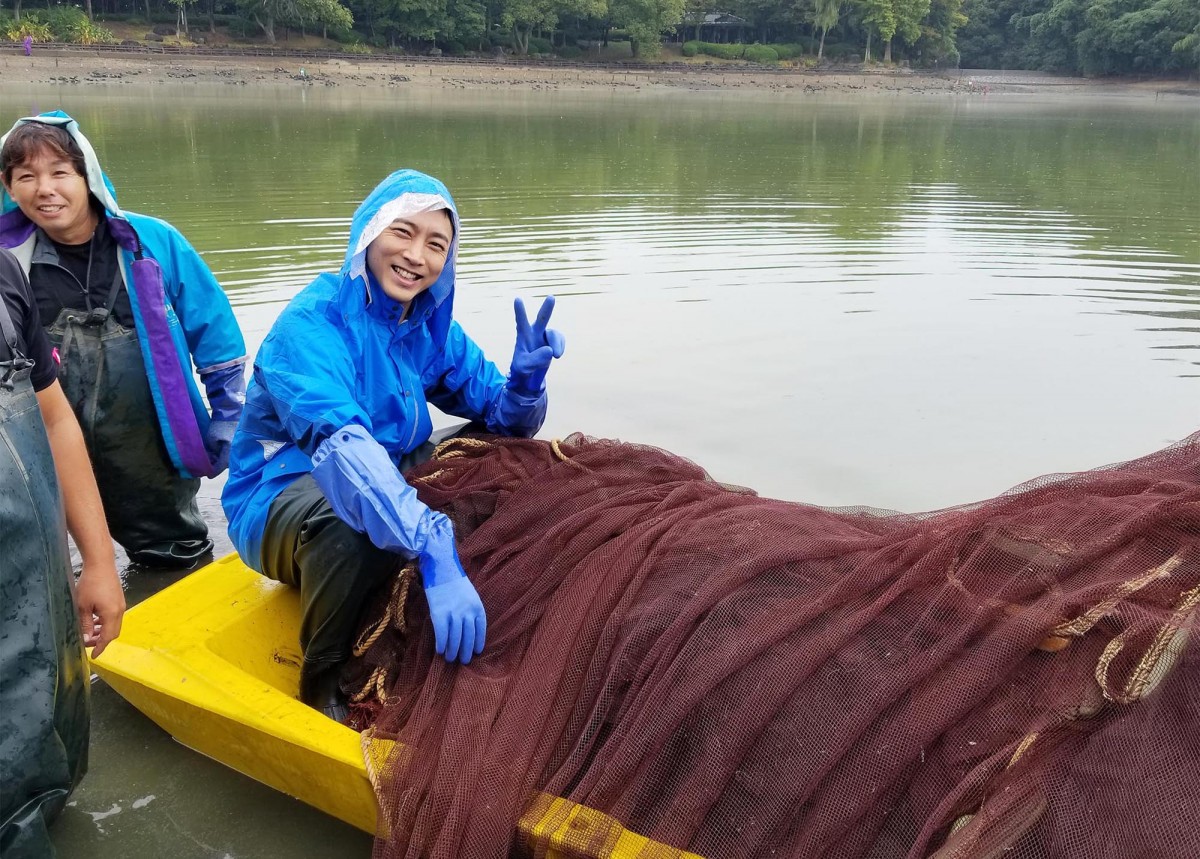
1073 36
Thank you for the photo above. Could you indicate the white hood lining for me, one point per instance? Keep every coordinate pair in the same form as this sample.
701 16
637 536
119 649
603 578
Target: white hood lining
407 204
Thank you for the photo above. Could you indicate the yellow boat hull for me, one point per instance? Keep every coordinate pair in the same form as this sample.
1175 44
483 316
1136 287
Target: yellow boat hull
214 661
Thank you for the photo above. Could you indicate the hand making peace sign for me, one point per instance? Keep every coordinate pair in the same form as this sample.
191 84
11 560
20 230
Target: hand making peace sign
536 347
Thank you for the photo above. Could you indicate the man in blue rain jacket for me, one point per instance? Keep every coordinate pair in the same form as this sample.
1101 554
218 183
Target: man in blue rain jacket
339 397
130 306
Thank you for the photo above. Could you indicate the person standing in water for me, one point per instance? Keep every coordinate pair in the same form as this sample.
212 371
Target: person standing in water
43 626
131 307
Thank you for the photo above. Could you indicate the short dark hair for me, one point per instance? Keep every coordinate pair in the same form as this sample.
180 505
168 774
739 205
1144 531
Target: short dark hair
30 139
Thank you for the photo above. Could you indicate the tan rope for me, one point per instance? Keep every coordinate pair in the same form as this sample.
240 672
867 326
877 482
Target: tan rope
361 695
556 448
1159 658
1082 624
380 678
458 446
393 615
400 596
1021 749
428 478
397 600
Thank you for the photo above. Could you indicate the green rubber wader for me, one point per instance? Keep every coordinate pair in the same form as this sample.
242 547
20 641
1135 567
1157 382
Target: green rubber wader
43 668
147 503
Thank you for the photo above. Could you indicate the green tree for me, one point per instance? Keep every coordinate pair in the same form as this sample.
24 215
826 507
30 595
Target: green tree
1132 36
988 39
878 16
645 21
693 15
466 20
522 16
1189 48
825 16
181 21
909 15
267 13
939 33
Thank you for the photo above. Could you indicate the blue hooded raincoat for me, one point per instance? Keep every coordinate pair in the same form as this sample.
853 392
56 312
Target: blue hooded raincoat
181 312
339 355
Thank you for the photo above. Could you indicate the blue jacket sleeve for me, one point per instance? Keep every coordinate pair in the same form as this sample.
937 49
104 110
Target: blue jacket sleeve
213 336
367 492
469 386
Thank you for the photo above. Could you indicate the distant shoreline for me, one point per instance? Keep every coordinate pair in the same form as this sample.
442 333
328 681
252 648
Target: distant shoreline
76 66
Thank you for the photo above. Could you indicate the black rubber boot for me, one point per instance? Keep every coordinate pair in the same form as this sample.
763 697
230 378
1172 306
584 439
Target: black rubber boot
180 555
320 689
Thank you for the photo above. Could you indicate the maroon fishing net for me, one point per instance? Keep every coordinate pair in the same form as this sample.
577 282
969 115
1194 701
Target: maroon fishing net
735 676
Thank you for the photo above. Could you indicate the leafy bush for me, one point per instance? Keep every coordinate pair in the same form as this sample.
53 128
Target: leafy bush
787 52
540 46
761 54
836 52
723 51
569 52
342 35
751 53
30 26
63 21
70 24
454 48
91 33
504 40
356 48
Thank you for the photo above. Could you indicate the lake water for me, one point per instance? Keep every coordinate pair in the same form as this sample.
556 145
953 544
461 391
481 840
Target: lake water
897 302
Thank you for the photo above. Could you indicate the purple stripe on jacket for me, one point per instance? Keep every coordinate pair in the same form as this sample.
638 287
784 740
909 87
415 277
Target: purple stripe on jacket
148 283
15 229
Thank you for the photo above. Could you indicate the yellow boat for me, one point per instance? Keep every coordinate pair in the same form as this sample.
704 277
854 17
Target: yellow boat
214 661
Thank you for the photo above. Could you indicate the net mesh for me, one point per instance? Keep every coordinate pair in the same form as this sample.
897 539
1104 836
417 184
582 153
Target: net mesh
736 676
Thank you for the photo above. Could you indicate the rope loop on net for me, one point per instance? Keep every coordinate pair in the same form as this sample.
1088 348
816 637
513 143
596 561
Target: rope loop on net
451 448
1083 624
393 616
394 611
556 449
376 676
459 446
1160 657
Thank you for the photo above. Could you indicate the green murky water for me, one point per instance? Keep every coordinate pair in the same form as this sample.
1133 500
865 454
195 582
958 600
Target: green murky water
897 302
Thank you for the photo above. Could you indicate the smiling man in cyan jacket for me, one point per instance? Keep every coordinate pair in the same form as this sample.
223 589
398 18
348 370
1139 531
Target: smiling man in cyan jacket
131 307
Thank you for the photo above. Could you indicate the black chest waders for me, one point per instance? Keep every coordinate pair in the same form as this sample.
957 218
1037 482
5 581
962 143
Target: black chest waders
43 669
151 509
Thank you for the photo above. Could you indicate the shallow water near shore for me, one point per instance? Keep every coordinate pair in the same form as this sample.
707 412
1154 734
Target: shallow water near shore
899 302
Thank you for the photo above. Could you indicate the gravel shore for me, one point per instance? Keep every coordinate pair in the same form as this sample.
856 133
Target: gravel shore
84 68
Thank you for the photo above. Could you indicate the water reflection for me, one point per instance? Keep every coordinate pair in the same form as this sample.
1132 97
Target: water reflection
726 267
899 303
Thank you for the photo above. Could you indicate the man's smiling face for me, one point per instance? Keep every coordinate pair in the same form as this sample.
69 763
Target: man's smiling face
408 256
54 196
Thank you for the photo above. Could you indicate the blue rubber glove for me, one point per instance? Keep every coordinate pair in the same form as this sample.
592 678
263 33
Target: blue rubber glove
367 492
459 620
226 389
217 441
536 347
